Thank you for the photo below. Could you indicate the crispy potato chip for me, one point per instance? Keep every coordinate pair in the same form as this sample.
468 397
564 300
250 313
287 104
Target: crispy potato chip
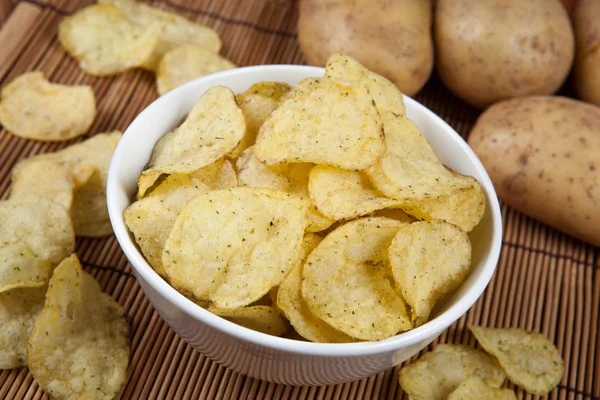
410 172
475 388
429 260
529 359
33 108
177 30
393 213
265 319
79 346
439 372
322 121
105 42
231 246
346 69
212 129
348 284
35 236
150 219
343 194
298 175
257 103
186 63
42 179
19 309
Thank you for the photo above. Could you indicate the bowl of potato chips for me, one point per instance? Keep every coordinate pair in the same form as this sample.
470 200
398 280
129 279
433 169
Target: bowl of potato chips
302 225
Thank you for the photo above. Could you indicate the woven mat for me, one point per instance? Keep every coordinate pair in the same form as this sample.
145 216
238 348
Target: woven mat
546 281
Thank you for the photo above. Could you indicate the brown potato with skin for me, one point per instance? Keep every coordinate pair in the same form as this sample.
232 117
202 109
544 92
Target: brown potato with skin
543 156
391 38
493 50
586 22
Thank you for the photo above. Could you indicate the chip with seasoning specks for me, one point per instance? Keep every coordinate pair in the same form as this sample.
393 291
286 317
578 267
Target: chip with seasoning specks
475 388
265 319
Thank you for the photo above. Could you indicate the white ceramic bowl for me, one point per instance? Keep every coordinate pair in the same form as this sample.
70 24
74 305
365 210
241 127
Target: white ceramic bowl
273 358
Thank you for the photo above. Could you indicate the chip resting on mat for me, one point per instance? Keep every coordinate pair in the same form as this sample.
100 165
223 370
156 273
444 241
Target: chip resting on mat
79 346
475 388
265 319
323 121
212 129
231 246
35 237
150 219
177 29
33 108
347 280
429 260
19 309
439 372
105 41
529 359
186 63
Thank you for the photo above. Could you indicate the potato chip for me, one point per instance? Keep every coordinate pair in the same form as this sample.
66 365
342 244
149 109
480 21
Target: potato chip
212 129
186 63
257 103
410 172
298 175
231 246
439 372
35 236
324 122
529 359
150 219
33 108
475 388
393 213
429 260
348 284
343 194
79 346
386 95
105 42
42 179
177 31
265 319
19 309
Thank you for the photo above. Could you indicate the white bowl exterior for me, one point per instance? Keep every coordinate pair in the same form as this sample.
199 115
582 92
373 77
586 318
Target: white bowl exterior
256 354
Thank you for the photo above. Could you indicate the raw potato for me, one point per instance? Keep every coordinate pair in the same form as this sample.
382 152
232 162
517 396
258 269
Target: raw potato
489 50
400 47
105 41
79 347
212 129
33 108
529 359
542 156
186 63
586 22
325 122
439 372
265 319
475 388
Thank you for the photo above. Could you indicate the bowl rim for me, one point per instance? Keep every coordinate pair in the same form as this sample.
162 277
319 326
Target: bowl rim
431 328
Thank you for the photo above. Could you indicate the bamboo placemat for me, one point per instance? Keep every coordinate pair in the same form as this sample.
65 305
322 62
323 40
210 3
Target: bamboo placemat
546 281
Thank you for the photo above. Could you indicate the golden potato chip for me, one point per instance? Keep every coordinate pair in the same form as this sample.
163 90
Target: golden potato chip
257 103
393 213
35 236
105 42
439 372
19 309
529 359
324 122
231 246
33 108
150 219
265 319
343 194
429 260
409 171
177 29
475 388
347 280
79 346
186 63
212 129
346 69
42 179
